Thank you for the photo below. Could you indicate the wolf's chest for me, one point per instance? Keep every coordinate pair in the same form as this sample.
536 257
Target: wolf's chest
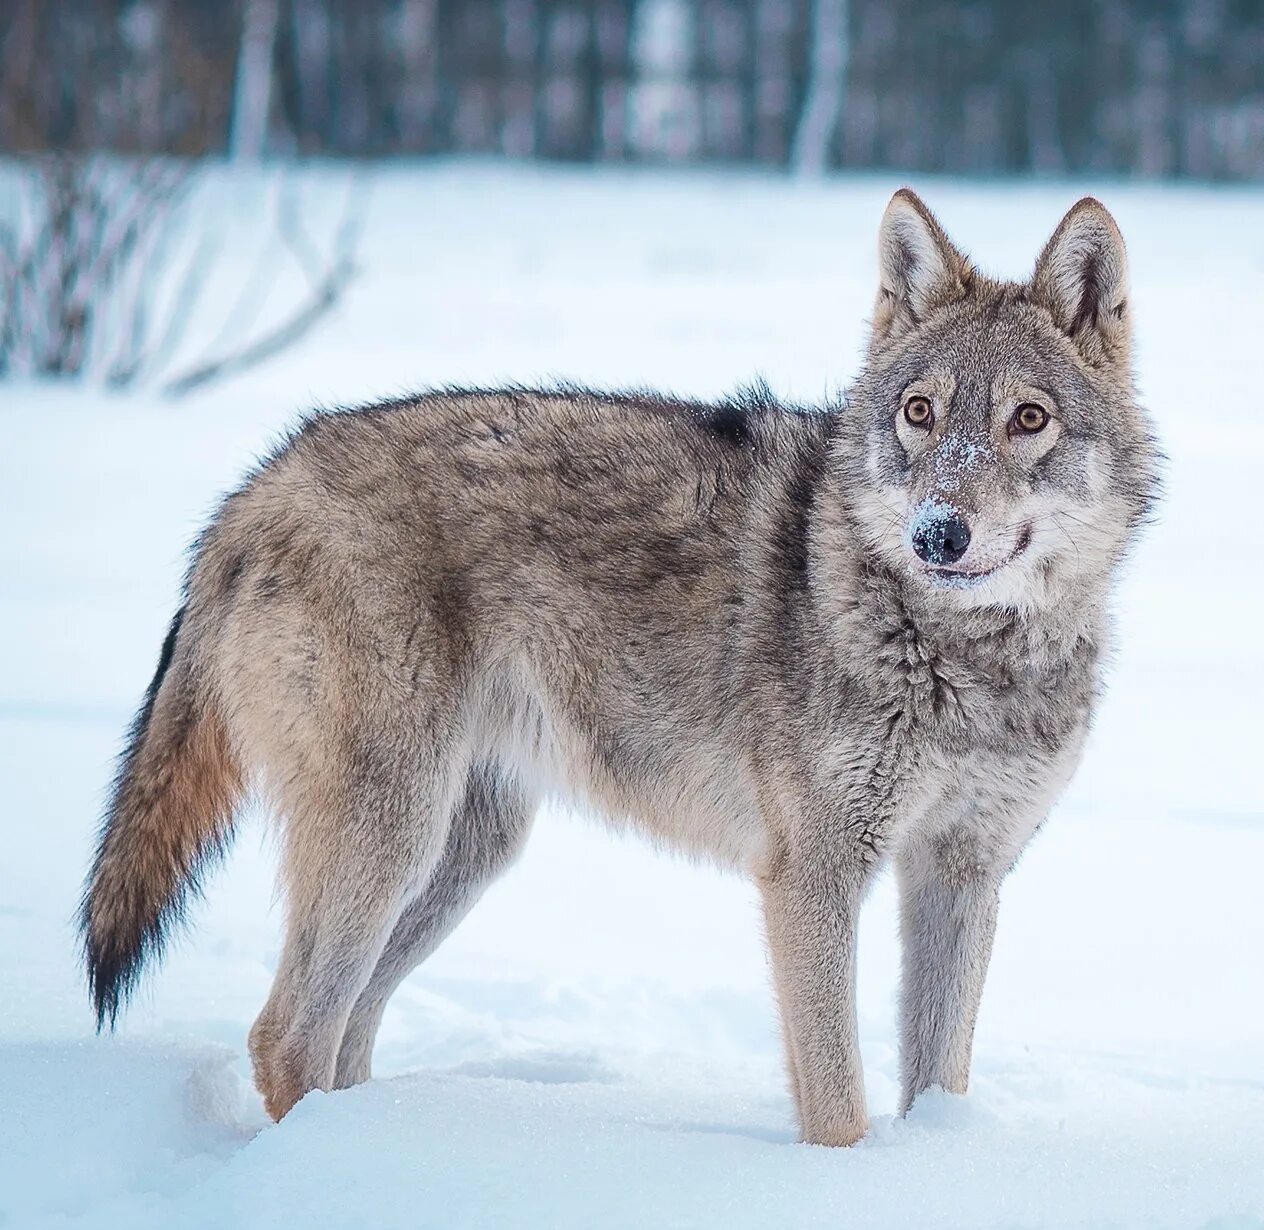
984 745
1003 696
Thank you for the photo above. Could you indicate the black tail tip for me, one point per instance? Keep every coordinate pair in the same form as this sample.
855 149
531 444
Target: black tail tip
106 1009
110 982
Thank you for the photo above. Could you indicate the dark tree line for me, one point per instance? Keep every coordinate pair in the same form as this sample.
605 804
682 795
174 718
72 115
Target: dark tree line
1157 87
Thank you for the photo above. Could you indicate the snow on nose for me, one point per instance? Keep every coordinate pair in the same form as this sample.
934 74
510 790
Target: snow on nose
938 532
957 461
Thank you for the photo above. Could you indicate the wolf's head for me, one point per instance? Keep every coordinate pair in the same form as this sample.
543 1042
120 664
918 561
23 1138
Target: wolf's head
993 451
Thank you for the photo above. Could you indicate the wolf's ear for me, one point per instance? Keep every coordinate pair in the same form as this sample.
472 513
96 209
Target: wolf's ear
1082 278
918 267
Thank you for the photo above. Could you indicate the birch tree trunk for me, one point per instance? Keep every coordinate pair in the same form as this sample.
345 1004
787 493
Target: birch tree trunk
252 91
827 76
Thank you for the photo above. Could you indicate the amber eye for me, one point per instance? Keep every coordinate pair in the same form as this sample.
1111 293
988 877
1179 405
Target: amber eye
917 411
1029 419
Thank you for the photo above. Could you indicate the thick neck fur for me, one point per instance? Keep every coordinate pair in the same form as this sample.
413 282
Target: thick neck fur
866 596
852 625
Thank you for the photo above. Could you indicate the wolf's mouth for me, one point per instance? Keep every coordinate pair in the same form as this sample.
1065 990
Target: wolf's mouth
960 578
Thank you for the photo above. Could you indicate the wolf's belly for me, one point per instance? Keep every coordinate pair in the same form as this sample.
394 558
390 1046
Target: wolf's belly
694 795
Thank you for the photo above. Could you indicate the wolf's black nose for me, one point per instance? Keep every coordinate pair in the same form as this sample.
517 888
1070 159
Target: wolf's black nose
941 540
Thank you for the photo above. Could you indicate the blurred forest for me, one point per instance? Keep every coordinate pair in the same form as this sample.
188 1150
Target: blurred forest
1150 87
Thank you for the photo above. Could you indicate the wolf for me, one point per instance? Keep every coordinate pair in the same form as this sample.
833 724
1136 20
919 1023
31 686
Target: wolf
796 642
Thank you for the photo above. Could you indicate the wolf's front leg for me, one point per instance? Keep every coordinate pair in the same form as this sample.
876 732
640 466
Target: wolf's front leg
948 893
811 923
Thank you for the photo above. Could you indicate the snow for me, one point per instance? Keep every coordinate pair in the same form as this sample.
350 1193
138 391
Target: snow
596 1045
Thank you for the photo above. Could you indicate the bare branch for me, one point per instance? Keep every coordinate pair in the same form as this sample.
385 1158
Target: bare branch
275 340
294 236
95 284
327 282
181 312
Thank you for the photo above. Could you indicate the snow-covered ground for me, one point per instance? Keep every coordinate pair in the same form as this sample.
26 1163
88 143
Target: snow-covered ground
596 1045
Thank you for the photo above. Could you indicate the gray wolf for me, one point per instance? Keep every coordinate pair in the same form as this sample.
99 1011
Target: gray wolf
796 642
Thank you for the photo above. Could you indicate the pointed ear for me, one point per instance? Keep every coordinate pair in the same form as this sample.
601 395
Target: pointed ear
918 267
1082 278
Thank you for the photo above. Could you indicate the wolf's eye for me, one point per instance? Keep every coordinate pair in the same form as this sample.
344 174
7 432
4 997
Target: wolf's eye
917 411
1029 419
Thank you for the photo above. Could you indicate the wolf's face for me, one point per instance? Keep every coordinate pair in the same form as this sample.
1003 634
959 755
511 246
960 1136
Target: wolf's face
994 453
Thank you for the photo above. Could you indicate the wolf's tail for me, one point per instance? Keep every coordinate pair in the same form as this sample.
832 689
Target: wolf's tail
170 816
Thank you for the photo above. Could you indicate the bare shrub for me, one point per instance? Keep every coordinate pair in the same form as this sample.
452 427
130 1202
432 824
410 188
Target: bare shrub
105 264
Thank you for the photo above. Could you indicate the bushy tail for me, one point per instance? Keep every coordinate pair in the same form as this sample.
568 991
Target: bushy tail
170 815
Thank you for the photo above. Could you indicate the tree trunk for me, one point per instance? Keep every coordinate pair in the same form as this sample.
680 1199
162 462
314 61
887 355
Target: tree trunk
827 73
252 92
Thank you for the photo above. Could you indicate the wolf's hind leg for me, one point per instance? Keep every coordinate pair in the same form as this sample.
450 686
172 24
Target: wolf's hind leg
489 828
349 859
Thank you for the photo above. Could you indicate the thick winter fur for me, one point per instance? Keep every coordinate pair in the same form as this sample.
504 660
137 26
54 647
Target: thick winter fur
708 622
